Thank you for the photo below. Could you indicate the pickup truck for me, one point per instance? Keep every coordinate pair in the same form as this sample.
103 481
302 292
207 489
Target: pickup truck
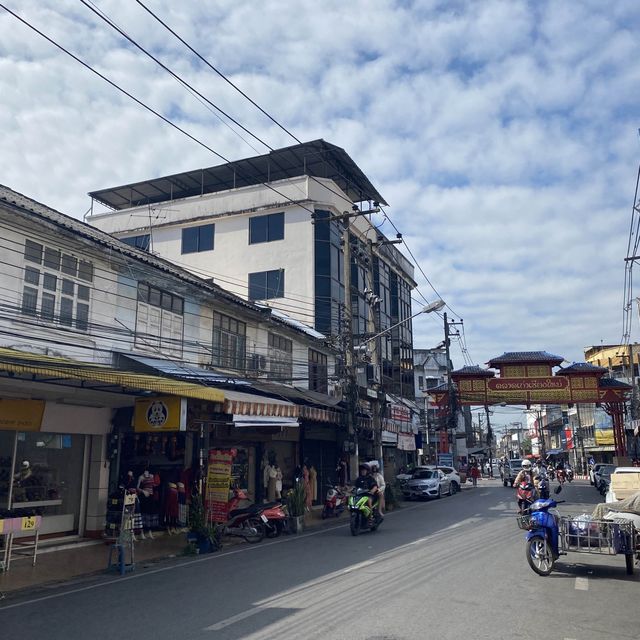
510 470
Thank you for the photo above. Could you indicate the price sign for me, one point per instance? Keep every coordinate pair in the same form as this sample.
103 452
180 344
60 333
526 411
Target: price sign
28 523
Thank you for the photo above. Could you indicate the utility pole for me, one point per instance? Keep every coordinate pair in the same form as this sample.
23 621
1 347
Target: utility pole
489 441
451 418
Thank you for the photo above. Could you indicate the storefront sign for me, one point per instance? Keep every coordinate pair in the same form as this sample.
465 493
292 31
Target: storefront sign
168 413
406 442
445 459
400 413
389 437
21 415
218 483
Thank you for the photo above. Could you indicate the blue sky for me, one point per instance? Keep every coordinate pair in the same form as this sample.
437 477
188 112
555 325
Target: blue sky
503 134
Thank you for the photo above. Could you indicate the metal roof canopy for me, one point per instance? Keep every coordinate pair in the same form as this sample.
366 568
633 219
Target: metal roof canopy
318 158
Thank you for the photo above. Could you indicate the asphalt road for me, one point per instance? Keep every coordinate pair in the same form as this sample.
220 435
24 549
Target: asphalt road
450 568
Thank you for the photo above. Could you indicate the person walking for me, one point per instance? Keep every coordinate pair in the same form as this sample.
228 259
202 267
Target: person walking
475 474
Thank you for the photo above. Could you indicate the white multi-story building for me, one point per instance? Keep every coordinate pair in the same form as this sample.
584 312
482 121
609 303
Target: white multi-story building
91 327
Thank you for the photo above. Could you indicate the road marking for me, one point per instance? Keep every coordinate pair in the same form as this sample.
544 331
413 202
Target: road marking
360 565
233 619
582 584
209 558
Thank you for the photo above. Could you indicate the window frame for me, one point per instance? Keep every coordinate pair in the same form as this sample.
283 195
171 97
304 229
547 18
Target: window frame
274 230
200 243
270 293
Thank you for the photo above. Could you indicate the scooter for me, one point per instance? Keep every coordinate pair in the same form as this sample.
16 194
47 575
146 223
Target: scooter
525 495
542 537
543 485
335 502
569 475
363 517
247 522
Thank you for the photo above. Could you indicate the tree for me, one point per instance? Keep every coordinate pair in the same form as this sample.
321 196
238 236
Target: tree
525 446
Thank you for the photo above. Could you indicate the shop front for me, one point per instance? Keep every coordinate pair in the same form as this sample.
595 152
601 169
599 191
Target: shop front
45 460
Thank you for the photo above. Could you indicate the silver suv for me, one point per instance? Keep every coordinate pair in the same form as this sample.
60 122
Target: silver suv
510 470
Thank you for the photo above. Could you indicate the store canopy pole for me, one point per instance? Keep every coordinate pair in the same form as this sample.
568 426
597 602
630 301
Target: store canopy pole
13 469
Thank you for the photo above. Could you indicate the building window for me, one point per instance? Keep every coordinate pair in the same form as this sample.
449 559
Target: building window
318 372
280 358
139 242
229 342
420 382
50 295
265 285
198 239
266 228
159 320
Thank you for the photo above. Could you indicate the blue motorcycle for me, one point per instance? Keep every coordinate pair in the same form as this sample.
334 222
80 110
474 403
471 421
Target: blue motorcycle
549 536
542 536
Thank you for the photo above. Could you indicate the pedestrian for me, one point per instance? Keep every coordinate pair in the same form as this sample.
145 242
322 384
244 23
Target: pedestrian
475 474
379 478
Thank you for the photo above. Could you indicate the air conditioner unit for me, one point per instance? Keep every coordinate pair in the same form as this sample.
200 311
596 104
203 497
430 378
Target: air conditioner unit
335 390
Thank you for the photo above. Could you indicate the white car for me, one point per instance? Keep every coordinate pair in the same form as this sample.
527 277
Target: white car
602 470
453 476
427 483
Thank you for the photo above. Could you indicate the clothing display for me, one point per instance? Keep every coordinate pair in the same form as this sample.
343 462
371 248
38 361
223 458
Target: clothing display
313 481
171 507
183 510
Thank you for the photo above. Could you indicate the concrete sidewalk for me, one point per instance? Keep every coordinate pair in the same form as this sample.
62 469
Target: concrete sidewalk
58 563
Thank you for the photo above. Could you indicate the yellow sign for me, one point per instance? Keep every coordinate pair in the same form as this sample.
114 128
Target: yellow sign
167 413
28 523
21 415
604 436
1 527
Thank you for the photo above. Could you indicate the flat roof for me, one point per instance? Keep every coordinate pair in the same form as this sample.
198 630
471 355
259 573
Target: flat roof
317 158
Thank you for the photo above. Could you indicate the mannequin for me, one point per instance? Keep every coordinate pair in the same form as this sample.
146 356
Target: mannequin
307 484
21 481
145 488
271 486
313 481
182 505
278 482
171 508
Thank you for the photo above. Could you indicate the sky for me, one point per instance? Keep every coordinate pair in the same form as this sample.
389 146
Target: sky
504 135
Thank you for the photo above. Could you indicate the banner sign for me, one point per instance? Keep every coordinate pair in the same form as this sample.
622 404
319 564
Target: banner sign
168 413
445 459
406 442
527 384
400 413
218 483
21 415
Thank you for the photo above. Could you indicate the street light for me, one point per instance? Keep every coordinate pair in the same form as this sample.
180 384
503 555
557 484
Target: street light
430 308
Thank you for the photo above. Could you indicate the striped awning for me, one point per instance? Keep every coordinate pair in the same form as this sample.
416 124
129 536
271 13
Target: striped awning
321 415
57 370
249 404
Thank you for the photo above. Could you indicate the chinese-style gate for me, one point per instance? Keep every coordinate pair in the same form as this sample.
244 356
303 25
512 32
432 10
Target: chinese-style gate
526 378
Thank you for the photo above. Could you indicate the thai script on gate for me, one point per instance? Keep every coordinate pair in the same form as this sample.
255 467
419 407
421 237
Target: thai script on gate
528 384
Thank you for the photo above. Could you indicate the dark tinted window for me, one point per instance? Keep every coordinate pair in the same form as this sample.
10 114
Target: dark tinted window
265 285
197 239
32 251
266 228
69 265
52 258
139 242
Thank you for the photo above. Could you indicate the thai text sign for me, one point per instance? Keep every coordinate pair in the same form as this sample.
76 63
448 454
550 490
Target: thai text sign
400 413
218 482
527 384
21 415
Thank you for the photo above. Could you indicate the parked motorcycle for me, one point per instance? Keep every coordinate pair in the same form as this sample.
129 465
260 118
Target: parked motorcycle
335 502
363 517
525 495
247 522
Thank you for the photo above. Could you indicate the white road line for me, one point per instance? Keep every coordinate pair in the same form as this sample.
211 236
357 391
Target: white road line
360 565
173 567
582 584
233 619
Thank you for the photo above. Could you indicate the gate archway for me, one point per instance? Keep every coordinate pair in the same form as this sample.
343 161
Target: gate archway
527 378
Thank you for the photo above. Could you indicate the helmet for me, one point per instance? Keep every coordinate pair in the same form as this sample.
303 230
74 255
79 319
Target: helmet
363 465
526 464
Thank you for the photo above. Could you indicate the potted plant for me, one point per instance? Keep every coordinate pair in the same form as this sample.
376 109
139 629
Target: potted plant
200 535
296 504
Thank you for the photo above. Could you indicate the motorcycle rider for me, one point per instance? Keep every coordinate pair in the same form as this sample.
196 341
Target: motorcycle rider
367 482
525 474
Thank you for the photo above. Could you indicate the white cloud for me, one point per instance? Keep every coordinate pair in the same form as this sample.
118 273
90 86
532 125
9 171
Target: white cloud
502 133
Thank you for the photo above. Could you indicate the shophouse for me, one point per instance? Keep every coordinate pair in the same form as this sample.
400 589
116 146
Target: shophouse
293 230
115 360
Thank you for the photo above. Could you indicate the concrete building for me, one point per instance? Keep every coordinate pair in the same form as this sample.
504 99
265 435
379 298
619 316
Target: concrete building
289 230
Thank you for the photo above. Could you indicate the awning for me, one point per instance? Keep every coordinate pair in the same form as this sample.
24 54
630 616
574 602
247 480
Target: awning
263 421
603 448
554 452
250 404
54 370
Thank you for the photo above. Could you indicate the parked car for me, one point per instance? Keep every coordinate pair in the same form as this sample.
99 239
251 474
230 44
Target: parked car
427 483
454 477
592 471
632 485
403 478
603 470
510 470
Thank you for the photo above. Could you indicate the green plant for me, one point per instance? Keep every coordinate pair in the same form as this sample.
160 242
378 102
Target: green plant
296 500
198 516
